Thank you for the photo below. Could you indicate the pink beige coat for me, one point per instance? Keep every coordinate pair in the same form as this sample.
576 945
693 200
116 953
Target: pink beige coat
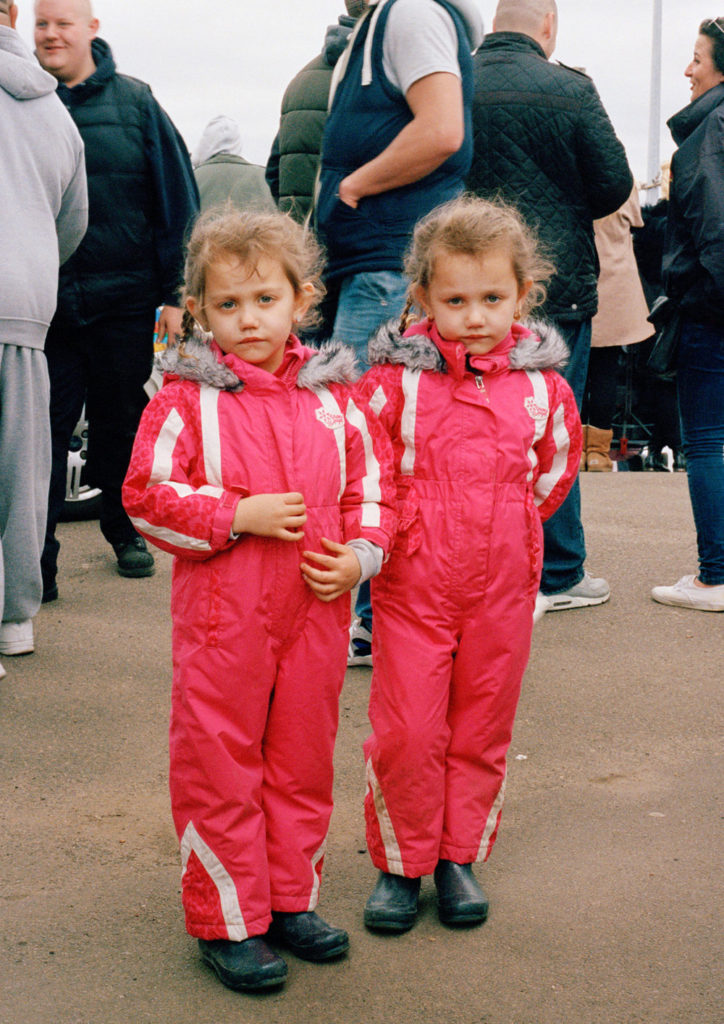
622 309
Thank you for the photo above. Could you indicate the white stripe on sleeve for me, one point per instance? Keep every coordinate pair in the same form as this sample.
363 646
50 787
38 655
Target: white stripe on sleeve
408 422
210 433
371 489
331 406
541 402
173 537
547 481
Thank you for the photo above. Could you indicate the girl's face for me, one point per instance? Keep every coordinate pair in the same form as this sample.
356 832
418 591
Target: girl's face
703 72
250 310
473 299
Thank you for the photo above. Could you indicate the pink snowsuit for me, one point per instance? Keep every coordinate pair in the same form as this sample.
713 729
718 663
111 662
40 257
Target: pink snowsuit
258 659
483 451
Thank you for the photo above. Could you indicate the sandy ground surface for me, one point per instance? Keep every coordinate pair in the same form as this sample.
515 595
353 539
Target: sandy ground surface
605 883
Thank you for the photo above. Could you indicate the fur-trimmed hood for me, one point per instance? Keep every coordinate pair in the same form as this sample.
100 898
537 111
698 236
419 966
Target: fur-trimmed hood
538 346
202 362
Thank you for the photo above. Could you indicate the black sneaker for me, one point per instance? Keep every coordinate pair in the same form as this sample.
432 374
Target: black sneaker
50 592
656 462
134 558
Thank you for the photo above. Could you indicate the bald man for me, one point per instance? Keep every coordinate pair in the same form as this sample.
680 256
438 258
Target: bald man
543 141
44 215
100 345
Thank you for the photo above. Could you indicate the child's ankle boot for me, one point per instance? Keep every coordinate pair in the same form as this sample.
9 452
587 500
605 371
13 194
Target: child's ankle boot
460 900
392 907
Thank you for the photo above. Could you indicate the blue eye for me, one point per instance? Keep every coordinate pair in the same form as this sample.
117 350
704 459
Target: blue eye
492 299
227 305
266 299
455 301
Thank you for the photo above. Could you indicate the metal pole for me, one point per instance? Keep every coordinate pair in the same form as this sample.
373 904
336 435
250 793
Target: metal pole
653 178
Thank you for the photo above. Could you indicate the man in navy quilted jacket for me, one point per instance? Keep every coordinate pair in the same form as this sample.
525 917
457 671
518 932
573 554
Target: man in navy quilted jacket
543 141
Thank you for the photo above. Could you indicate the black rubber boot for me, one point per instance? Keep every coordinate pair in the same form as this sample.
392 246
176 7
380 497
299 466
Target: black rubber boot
134 558
392 907
460 900
248 966
308 936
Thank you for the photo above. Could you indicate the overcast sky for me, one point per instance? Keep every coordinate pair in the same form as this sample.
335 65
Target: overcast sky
235 57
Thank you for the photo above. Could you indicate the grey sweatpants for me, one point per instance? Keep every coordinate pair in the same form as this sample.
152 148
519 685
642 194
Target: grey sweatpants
24 478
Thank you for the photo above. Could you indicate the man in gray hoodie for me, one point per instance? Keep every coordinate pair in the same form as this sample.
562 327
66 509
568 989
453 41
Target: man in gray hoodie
44 218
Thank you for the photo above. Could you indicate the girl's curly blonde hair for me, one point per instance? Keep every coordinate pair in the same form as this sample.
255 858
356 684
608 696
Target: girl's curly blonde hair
224 232
473 226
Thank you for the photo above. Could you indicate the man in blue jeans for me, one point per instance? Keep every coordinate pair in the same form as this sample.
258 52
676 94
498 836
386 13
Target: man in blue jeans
543 141
397 143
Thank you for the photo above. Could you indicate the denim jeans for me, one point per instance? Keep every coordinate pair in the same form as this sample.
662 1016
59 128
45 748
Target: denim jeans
700 379
564 546
366 301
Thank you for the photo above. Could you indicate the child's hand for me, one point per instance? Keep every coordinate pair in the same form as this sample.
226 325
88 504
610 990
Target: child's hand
338 573
271 515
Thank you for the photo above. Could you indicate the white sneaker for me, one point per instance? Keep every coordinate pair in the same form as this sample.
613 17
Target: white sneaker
3 673
17 637
360 644
686 594
589 591
541 606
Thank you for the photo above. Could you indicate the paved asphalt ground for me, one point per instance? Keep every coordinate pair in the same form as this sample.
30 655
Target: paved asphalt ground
605 883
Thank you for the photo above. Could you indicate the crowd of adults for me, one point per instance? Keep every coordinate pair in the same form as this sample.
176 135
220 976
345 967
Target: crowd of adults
408 105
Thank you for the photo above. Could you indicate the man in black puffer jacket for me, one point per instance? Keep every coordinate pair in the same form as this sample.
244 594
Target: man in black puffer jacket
142 195
543 141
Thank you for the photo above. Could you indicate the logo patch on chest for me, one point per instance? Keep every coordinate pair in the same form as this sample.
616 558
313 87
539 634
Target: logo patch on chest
535 411
329 419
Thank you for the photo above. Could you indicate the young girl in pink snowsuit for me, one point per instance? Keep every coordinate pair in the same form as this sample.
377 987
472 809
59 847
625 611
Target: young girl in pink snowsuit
254 467
486 439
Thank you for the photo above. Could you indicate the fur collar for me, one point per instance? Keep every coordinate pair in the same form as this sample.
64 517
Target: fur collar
194 360
331 363
542 349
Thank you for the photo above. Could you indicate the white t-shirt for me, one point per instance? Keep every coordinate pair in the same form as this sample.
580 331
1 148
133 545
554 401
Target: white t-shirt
420 39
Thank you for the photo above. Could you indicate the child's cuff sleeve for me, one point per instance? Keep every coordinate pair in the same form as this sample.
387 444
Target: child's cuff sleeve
224 518
369 556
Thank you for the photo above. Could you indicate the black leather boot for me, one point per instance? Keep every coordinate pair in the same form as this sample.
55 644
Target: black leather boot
308 936
392 907
248 966
134 558
460 900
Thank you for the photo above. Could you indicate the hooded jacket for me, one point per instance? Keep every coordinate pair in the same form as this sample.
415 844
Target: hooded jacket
693 261
454 405
543 142
45 211
307 435
222 173
142 197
